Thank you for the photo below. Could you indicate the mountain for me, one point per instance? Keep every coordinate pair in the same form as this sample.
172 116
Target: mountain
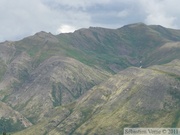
69 82
134 97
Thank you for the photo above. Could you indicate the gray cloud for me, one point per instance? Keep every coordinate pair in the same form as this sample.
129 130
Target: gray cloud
22 18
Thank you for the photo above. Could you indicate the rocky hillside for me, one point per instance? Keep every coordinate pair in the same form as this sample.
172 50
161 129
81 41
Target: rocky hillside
134 97
78 79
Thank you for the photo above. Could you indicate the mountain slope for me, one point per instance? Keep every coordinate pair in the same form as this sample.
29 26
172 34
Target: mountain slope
57 81
110 49
134 97
120 48
45 72
164 54
11 120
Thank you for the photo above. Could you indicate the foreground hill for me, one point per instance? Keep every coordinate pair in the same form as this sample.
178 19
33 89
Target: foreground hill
134 97
44 75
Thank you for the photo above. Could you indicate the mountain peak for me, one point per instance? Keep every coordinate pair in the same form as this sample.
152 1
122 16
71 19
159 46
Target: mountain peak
43 33
140 24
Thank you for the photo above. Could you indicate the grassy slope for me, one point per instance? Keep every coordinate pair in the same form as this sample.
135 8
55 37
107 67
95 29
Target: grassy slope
133 98
164 54
2 69
107 49
117 49
112 50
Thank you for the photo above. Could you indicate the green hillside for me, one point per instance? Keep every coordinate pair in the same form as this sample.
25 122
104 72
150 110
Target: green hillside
92 81
132 98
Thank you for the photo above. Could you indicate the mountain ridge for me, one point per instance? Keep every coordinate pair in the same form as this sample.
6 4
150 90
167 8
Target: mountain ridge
50 79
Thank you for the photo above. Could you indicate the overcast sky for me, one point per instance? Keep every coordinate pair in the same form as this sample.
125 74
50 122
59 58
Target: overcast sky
21 18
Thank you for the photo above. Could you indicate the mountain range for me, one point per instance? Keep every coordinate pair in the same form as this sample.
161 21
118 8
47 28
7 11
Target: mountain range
92 81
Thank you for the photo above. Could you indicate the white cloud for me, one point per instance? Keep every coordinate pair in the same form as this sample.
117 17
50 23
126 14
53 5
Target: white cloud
22 18
66 29
158 13
161 19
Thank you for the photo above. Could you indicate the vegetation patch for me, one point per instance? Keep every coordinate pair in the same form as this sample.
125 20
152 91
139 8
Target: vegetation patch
57 95
2 69
176 119
9 125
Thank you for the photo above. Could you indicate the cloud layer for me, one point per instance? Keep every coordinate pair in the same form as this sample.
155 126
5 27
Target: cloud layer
22 18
